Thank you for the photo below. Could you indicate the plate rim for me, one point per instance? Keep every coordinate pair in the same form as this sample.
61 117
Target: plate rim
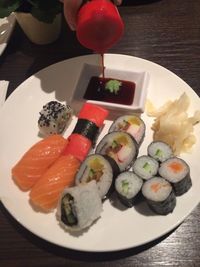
96 250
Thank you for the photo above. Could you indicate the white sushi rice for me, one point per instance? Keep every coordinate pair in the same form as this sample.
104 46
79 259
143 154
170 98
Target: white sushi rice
145 167
54 118
133 182
170 174
160 151
105 180
136 126
126 155
87 205
156 189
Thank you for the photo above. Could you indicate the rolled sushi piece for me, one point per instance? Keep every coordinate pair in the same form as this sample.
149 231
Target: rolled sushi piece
145 167
100 168
79 207
121 147
177 172
54 118
159 151
128 186
159 195
131 124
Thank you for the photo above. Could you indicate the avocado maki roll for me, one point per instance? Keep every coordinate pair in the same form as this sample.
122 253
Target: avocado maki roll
131 124
121 147
99 168
128 186
177 172
159 195
159 151
145 167
79 207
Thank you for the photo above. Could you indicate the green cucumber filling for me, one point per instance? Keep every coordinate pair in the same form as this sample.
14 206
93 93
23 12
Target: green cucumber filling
159 153
125 187
147 167
68 215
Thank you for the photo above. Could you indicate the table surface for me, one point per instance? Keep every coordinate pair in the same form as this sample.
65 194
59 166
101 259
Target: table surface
166 32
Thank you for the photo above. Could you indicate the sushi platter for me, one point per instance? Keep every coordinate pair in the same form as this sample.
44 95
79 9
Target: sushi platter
117 220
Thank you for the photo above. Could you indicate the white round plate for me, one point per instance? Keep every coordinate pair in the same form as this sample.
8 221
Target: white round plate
6 28
117 229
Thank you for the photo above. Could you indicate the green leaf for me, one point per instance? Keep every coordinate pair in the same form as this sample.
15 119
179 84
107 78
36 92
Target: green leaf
44 12
7 7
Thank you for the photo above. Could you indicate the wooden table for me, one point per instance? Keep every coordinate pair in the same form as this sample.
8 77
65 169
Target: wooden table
166 32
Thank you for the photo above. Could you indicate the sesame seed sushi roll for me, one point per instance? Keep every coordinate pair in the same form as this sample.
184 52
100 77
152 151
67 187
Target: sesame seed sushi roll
177 172
128 186
79 207
145 167
159 195
159 151
54 118
99 168
120 146
131 124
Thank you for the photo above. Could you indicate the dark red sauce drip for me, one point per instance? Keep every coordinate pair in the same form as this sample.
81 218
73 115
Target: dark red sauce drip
102 65
96 91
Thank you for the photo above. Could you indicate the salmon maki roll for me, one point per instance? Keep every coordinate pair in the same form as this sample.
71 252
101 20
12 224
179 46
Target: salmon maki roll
46 192
37 160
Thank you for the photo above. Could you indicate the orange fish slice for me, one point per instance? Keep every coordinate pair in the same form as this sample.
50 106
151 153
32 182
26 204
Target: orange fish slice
37 160
45 193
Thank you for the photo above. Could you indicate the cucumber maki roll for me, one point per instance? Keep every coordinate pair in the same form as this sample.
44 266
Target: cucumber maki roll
131 124
99 168
128 186
54 118
120 146
177 172
79 207
159 151
145 167
159 195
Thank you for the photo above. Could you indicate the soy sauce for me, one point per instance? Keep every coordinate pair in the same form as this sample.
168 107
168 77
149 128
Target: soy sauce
96 91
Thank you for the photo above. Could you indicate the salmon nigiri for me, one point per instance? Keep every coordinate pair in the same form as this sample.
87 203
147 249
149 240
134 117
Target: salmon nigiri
45 193
37 160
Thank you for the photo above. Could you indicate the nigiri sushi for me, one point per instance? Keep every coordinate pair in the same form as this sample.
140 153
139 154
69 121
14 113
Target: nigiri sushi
45 193
37 160
90 120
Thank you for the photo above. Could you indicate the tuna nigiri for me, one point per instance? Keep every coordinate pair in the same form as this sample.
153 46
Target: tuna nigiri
90 119
37 160
45 193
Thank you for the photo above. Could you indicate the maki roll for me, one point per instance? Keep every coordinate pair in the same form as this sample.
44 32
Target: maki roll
159 151
131 124
79 207
128 186
159 195
145 167
121 147
54 118
99 168
177 172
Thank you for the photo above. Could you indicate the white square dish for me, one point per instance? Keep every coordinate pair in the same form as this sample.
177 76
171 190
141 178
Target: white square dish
140 78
